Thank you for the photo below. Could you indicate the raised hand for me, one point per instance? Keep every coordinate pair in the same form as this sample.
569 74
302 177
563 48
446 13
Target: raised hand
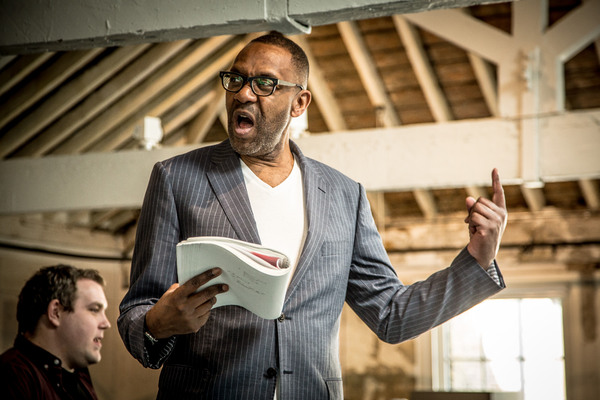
487 221
181 310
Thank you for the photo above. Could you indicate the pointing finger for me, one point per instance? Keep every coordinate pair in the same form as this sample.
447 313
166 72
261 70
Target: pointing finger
498 196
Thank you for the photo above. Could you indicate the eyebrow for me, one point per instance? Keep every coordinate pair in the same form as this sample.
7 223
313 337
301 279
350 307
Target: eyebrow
97 304
265 74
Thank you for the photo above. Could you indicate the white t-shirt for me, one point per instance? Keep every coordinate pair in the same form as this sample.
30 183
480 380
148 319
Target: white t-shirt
279 212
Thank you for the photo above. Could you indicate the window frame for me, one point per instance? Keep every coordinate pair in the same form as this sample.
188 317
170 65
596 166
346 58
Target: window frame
429 346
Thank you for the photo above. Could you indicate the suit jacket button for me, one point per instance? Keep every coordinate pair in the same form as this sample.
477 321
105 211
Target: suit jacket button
281 317
271 373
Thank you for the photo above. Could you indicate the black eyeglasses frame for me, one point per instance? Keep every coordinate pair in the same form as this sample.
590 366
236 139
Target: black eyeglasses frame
250 80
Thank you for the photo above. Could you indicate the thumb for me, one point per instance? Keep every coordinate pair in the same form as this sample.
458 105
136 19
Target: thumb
469 202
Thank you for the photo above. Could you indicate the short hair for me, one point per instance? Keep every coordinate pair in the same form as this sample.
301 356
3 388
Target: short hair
49 283
299 59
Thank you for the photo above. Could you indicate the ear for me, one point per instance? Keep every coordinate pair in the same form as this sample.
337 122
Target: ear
301 103
54 312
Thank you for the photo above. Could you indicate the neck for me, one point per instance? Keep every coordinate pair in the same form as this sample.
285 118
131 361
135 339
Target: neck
48 342
272 171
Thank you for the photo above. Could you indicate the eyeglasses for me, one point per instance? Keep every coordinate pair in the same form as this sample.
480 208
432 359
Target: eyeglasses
260 85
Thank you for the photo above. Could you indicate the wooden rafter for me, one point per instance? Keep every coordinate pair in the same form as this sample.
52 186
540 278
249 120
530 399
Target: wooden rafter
200 125
440 109
49 79
71 93
94 105
368 73
322 95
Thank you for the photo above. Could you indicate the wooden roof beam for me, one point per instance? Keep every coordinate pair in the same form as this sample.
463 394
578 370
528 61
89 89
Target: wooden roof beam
379 208
71 93
428 81
322 95
20 68
45 82
591 193
487 82
169 89
136 101
426 202
199 127
183 113
365 65
98 101
428 151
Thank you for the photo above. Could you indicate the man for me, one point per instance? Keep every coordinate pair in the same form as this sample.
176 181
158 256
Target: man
61 316
259 187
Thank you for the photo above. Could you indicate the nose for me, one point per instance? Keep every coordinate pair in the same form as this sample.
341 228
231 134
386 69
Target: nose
245 94
105 323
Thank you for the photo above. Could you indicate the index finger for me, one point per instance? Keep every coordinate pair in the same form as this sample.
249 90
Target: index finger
498 196
194 283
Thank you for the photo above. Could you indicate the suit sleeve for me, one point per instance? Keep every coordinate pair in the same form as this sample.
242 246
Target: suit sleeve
397 312
153 268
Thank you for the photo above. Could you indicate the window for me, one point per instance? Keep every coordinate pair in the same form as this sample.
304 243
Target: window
505 345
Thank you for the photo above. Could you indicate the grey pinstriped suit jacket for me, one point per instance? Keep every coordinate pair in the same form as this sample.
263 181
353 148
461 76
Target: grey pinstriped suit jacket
238 355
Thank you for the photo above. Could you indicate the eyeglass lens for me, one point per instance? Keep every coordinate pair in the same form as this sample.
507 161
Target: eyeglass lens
260 86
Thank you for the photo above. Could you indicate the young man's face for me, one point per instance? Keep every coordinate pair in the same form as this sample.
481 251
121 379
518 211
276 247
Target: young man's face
257 126
82 330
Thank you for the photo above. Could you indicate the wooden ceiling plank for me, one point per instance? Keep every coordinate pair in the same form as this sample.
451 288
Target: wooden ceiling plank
122 83
47 80
591 193
423 69
322 95
199 127
164 92
124 107
367 71
20 68
71 93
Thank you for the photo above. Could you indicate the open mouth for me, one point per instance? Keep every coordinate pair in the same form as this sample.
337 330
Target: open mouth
244 122
98 341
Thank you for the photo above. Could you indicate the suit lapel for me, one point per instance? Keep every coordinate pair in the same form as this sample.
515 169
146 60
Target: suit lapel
227 182
317 211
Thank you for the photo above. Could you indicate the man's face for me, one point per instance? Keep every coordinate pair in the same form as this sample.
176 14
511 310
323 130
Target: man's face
82 330
257 126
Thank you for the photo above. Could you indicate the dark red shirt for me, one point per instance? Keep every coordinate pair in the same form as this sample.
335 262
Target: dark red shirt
30 372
